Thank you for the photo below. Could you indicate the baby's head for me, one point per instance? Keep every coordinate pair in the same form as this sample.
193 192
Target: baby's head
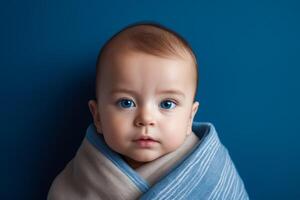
146 83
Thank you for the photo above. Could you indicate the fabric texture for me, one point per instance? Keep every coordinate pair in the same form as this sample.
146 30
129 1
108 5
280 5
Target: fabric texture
200 169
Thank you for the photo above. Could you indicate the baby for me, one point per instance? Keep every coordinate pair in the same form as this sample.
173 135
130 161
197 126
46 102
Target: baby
143 142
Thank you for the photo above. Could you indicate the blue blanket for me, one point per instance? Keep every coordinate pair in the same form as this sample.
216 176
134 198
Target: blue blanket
206 172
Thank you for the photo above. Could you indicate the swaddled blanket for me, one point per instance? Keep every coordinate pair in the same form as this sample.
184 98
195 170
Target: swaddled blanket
200 169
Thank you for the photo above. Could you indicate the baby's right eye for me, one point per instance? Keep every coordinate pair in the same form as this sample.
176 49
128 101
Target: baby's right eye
125 103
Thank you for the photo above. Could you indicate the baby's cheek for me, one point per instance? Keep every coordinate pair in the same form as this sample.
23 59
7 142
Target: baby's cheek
111 133
114 122
174 141
114 140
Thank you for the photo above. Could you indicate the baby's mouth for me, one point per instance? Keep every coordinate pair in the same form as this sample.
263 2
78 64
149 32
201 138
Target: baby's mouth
146 138
145 142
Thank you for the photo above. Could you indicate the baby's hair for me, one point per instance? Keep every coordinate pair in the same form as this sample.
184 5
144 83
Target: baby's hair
151 38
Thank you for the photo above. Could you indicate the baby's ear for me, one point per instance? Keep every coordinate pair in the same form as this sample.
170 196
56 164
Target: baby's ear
195 107
96 116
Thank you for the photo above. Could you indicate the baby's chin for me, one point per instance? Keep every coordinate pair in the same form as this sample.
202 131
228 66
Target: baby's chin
141 159
145 158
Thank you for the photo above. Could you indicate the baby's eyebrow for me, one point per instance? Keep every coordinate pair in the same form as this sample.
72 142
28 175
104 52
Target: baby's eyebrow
170 91
175 92
114 91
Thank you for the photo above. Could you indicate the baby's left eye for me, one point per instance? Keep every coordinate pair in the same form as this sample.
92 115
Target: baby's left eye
168 104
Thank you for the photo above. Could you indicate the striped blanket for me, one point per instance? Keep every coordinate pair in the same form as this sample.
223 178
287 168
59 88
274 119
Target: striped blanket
200 169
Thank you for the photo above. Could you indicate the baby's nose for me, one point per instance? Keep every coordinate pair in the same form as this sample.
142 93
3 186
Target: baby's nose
145 117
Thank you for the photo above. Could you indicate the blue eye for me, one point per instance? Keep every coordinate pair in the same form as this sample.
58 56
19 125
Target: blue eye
168 104
125 103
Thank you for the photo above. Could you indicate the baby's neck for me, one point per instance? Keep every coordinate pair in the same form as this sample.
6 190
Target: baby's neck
133 163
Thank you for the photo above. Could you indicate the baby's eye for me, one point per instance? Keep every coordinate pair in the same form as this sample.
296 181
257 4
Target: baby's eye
168 104
125 103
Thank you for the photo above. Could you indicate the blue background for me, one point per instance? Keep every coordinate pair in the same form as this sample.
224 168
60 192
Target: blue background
248 54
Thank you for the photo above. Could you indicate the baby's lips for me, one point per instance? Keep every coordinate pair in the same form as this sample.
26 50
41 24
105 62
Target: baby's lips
146 138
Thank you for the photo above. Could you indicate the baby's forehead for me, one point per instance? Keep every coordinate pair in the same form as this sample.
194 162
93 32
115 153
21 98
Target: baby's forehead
120 59
114 68
136 68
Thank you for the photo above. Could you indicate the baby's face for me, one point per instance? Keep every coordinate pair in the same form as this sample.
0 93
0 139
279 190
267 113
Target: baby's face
145 105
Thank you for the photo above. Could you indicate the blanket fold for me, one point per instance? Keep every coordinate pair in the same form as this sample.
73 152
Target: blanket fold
200 169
